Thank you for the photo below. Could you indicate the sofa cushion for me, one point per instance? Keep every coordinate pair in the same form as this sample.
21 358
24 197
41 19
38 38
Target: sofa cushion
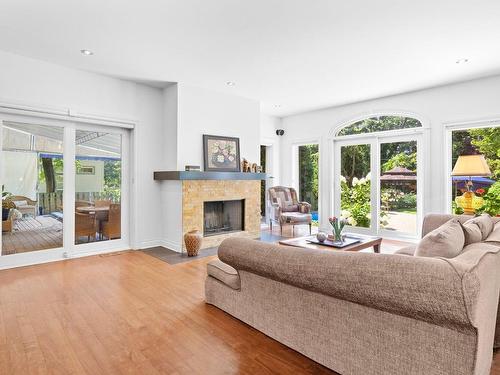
295 217
472 233
290 208
495 234
485 224
407 250
447 241
224 273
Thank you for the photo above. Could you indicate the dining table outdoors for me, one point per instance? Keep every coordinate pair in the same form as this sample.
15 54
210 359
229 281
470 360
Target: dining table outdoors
92 209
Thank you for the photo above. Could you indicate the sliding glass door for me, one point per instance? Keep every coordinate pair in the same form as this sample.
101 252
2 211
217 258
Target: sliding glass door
64 189
376 184
98 183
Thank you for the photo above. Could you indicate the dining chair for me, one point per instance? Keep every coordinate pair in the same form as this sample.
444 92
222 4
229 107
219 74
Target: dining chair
85 226
111 229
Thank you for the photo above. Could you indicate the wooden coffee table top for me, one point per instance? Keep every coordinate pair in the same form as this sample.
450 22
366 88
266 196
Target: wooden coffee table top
366 242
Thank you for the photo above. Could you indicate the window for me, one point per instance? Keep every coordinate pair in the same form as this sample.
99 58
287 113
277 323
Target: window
308 176
376 181
380 124
485 189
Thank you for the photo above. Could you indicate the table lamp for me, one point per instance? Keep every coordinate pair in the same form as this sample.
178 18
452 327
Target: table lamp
470 165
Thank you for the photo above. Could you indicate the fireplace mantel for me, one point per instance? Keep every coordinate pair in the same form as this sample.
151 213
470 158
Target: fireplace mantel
198 175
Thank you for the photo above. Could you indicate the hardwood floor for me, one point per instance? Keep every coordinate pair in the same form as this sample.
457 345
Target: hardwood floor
129 313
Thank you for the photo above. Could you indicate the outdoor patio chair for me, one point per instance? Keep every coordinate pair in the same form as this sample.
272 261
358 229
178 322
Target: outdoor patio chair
111 228
24 205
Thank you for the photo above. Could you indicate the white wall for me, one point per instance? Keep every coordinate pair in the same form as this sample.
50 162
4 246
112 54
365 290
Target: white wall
170 118
464 102
206 112
191 112
34 82
268 137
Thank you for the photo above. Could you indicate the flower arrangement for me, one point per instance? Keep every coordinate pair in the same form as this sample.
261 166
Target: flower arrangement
337 227
480 192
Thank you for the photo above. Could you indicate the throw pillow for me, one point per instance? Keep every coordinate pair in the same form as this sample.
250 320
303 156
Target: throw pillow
20 203
495 234
485 224
447 241
472 233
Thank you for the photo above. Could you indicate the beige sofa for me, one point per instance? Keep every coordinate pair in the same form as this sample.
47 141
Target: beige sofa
364 313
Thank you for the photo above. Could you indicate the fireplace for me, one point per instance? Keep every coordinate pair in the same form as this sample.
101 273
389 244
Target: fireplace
223 217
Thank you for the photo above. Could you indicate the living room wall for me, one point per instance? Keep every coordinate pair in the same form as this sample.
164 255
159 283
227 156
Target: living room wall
37 83
204 111
470 101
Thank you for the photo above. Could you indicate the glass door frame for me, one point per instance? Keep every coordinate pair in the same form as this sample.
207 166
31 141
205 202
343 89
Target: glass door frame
338 144
375 140
69 249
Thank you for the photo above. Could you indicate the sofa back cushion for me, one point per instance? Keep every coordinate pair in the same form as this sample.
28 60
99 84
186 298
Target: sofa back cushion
447 241
432 221
472 233
494 236
484 223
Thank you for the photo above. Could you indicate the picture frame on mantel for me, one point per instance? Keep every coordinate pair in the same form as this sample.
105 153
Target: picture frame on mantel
221 154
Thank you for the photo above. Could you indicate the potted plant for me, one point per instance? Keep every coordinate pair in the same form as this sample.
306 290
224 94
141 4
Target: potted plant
5 208
337 227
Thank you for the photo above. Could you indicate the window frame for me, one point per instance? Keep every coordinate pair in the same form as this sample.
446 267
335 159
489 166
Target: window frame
448 130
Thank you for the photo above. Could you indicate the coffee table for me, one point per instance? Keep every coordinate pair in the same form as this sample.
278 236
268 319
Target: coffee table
366 242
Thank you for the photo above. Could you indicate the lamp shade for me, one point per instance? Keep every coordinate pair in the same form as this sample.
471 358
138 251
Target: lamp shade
471 165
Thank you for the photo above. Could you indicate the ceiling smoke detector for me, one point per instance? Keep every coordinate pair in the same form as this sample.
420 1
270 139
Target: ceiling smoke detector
86 52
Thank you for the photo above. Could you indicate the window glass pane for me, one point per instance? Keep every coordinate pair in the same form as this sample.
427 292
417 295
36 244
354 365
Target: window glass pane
398 186
476 193
355 185
380 123
308 177
97 186
32 194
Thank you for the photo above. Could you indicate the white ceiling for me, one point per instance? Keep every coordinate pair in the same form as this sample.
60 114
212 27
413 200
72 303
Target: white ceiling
300 54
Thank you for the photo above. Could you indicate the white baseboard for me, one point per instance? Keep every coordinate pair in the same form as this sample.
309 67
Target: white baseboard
171 245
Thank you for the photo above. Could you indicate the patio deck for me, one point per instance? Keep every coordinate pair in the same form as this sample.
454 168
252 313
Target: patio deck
33 234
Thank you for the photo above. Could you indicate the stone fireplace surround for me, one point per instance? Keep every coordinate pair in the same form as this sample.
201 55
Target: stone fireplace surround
195 193
184 194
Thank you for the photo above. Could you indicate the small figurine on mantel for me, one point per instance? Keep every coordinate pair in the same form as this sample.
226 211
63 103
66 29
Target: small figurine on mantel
245 165
248 167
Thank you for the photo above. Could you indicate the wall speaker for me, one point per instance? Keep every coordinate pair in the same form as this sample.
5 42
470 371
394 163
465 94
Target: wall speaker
280 132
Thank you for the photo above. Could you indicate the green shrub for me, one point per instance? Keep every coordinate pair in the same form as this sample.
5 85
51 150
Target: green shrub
491 200
356 202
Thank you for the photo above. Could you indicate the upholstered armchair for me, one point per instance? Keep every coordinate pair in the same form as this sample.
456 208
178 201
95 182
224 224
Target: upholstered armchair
286 208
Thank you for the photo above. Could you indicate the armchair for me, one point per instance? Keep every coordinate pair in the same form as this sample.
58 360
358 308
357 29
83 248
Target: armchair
23 204
286 208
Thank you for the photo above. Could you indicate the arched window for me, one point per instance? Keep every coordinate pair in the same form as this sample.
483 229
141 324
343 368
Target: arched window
379 124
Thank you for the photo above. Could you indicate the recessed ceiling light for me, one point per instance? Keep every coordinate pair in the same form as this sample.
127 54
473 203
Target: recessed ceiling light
231 83
462 61
86 52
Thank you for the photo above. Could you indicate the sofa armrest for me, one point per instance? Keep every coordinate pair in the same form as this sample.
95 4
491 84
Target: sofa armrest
428 289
